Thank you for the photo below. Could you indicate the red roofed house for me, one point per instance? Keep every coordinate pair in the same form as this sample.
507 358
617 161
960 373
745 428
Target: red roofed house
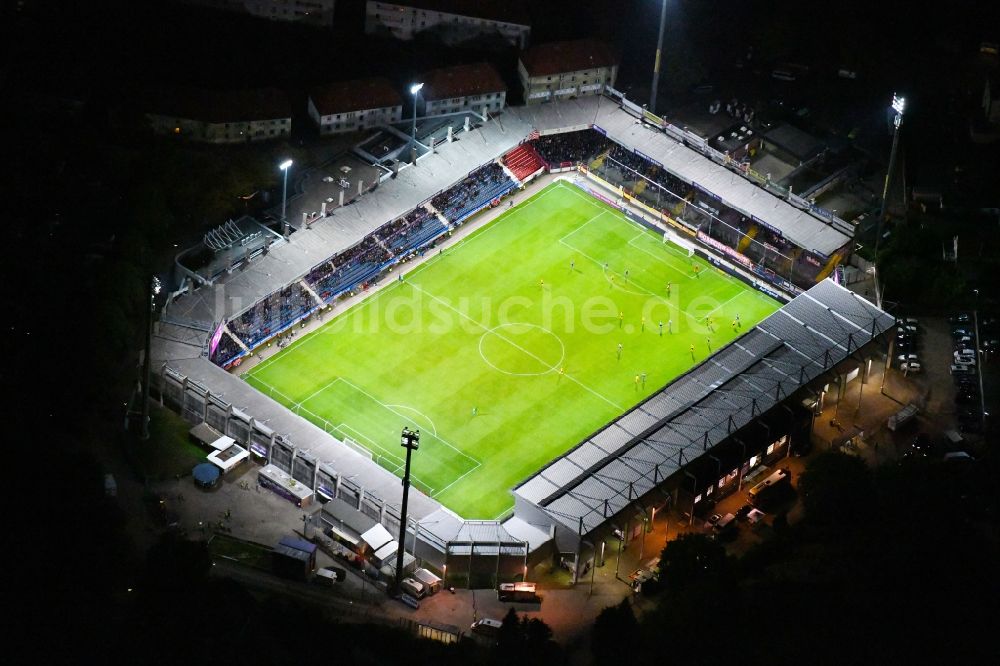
563 70
236 116
351 105
476 88
455 21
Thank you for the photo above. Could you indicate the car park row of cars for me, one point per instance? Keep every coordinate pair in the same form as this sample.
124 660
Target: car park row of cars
907 331
964 369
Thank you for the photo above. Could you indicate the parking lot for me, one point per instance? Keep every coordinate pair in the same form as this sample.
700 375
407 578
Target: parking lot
944 356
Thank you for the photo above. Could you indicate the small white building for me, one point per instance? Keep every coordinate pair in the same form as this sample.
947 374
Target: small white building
476 87
239 116
352 105
454 21
310 12
562 70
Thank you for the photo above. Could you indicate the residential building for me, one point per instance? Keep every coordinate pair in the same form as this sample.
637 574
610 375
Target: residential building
239 116
475 87
454 21
352 105
310 12
561 70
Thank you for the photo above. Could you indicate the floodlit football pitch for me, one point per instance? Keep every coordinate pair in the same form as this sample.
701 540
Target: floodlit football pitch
512 346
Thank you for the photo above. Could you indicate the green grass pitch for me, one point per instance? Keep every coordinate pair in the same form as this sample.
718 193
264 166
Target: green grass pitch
504 350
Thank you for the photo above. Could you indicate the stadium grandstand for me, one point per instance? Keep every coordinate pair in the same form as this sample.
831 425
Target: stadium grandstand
656 172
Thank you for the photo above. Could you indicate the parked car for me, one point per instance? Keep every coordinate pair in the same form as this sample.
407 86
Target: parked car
714 518
962 369
964 360
327 179
910 366
960 318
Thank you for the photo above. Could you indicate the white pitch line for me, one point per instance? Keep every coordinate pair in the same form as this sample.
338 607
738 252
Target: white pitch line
663 261
515 345
403 416
741 292
642 288
582 226
436 493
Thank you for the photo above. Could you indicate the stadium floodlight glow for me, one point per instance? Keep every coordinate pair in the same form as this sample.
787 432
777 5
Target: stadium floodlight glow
415 91
284 166
409 440
898 103
157 285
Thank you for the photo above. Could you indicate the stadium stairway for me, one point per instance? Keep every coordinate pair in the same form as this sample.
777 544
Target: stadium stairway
436 213
309 290
508 172
745 240
522 162
243 346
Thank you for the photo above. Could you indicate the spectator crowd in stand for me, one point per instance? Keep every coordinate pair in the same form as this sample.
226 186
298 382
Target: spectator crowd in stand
360 263
576 147
483 185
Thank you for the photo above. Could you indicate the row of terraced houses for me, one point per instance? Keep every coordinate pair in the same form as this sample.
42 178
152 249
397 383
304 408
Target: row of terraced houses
548 72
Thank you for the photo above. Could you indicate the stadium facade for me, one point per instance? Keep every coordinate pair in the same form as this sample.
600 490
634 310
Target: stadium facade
739 409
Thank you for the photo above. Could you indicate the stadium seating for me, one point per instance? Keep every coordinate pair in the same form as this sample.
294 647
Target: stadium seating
272 314
523 161
482 186
227 350
571 147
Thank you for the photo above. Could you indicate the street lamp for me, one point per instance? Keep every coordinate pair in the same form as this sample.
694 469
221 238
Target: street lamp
409 440
656 63
155 286
415 91
284 166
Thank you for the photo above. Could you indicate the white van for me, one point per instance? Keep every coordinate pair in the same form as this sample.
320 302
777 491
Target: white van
413 588
486 627
325 577
724 522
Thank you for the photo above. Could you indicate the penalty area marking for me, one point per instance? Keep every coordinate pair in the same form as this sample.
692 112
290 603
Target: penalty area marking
415 411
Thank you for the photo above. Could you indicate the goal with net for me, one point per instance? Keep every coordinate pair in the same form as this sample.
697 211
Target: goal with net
672 237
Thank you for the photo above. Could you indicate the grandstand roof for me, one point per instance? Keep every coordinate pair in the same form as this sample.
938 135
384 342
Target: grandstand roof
219 106
346 96
630 456
507 11
688 164
571 56
462 81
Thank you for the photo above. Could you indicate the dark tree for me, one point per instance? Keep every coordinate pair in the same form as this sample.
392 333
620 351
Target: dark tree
836 489
613 625
692 559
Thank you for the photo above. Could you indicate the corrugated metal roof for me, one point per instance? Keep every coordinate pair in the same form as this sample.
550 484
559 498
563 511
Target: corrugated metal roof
792 346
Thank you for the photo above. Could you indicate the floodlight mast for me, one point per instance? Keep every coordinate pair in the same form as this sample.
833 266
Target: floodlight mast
415 91
409 440
656 63
898 105
284 166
